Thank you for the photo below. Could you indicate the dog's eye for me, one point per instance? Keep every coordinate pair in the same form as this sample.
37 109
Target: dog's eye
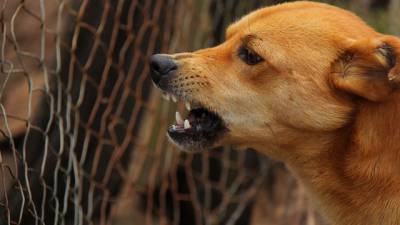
248 56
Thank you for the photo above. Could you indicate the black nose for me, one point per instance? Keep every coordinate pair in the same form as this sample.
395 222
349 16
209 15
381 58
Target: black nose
161 65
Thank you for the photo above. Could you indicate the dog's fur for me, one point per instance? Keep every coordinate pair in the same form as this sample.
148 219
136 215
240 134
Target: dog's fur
324 101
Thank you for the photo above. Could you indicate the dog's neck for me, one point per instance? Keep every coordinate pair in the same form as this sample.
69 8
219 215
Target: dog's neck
356 169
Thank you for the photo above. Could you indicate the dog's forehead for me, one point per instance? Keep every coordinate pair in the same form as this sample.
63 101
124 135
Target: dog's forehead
264 13
300 17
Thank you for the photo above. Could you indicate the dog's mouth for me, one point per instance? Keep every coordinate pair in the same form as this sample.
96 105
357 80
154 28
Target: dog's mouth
200 129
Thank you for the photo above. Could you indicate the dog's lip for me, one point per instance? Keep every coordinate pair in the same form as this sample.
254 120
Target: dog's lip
189 104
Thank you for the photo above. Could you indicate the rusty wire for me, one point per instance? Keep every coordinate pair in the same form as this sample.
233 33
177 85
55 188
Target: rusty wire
82 129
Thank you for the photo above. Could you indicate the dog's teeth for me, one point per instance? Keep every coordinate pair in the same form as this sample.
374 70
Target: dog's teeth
186 124
187 105
166 97
174 99
179 119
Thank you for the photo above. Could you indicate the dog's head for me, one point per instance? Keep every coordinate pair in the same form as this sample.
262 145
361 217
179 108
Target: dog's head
283 73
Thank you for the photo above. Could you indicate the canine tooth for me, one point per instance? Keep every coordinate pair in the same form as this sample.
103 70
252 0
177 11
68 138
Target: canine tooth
178 118
174 99
187 105
186 124
166 97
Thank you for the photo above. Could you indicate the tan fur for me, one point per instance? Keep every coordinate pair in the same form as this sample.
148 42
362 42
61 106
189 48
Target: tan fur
324 101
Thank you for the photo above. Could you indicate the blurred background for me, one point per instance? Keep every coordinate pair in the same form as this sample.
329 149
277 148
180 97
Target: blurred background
82 130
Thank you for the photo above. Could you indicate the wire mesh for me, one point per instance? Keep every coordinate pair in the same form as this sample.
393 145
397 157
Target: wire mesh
83 131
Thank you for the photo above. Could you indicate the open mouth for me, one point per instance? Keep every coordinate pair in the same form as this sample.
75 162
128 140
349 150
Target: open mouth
198 130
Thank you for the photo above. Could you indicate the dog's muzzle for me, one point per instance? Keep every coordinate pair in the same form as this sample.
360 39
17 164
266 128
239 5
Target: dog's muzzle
201 127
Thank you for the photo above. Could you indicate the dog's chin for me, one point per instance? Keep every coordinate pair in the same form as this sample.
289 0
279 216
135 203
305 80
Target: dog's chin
188 145
192 142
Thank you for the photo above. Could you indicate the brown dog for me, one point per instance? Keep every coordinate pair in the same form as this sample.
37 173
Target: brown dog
309 84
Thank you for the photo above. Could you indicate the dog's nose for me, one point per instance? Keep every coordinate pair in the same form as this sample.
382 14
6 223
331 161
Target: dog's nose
161 65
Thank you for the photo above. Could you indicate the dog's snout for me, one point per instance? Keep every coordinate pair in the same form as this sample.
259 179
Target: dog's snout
161 65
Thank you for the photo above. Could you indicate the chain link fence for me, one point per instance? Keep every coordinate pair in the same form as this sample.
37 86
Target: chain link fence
82 130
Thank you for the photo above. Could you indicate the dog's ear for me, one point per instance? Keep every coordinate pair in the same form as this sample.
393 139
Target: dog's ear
369 68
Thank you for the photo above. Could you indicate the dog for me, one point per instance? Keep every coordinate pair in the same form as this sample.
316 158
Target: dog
306 83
